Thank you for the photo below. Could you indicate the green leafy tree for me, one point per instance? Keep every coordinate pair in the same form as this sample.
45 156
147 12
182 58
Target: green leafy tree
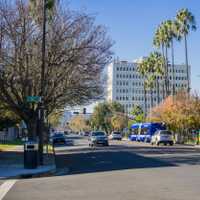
104 113
138 114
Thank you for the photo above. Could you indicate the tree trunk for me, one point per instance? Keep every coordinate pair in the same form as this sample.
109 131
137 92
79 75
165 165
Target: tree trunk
157 91
187 65
163 90
166 73
165 85
172 51
145 100
151 93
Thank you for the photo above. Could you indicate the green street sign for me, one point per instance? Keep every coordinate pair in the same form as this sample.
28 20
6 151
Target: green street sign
33 99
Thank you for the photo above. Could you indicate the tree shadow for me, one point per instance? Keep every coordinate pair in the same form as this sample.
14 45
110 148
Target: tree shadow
121 157
99 161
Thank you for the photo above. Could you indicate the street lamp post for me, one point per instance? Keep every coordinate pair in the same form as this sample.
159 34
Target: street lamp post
41 105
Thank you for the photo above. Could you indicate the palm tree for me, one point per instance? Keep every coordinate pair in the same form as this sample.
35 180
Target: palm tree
186 22
142 69
162 40
156 63
172 28
150 68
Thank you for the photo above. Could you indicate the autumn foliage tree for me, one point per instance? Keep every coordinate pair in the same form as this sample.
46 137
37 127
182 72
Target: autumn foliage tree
181 114
79 123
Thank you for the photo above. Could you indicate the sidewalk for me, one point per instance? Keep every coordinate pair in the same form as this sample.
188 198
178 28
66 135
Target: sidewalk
11 165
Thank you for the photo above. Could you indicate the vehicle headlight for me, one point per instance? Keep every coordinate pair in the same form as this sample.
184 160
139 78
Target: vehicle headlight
93 139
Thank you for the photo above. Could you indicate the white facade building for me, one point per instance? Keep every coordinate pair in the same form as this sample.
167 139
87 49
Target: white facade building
126 86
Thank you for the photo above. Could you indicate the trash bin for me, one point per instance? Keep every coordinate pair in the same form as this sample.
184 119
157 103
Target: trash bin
30 155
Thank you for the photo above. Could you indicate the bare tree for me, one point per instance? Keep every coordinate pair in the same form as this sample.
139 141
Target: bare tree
76 52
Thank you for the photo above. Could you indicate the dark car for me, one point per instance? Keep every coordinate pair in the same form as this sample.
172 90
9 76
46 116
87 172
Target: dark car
86 133
98 138
58 138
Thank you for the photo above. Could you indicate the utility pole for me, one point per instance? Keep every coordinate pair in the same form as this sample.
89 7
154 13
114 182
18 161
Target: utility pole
41 105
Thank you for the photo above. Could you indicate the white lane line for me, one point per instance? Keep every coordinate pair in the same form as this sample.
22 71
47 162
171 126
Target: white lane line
5 187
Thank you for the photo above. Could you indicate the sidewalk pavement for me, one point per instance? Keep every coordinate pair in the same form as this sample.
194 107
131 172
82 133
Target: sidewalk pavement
11 165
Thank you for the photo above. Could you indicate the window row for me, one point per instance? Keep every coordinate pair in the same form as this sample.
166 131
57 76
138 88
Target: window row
126 69
128 76
126 98
132 68
122 83
139 77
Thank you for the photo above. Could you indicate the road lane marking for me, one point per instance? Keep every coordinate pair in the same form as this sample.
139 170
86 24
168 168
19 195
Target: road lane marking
5 187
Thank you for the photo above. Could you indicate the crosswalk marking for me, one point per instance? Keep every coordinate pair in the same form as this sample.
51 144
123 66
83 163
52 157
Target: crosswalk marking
5 187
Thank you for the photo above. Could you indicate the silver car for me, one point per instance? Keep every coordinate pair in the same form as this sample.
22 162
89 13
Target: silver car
162 136
98 138
115 135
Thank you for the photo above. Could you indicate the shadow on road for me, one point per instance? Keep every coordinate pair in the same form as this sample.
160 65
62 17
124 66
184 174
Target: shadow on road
120 157
106 161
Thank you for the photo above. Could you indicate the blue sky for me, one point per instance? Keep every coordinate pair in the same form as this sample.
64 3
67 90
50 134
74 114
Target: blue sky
131 24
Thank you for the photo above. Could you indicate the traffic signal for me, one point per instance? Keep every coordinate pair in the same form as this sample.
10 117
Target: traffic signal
84 111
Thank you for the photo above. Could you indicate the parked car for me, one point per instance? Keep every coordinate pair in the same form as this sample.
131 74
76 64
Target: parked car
86 133
115 135
98 138
58 138
162 136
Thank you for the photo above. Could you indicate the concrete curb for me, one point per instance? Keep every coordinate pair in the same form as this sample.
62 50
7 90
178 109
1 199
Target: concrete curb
34 174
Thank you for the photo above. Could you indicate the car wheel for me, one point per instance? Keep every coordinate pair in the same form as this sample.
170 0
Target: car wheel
165 144
171 143
158 143
152 143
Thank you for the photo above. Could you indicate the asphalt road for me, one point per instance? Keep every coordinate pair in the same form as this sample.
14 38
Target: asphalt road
122 171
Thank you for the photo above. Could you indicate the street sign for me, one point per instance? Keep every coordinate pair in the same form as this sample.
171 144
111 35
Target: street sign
33 99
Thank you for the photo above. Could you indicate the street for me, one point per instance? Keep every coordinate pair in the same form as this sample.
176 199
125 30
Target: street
124 170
